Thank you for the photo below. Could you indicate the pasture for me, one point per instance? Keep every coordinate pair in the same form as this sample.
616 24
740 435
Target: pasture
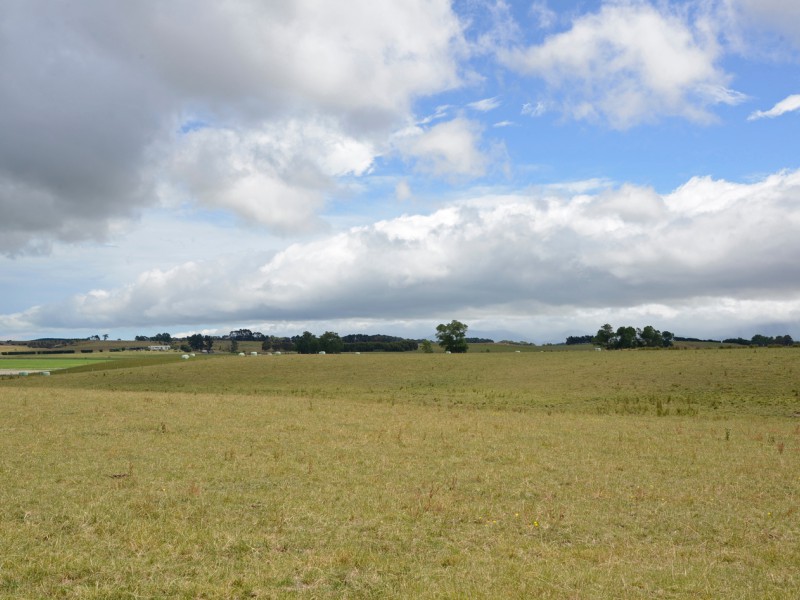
9 365
47 363
555 475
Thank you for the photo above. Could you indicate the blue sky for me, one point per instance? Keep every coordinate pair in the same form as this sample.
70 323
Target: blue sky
534 169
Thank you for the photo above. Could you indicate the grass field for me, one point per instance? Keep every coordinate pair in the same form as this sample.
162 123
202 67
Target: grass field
670 474
78 363
37 362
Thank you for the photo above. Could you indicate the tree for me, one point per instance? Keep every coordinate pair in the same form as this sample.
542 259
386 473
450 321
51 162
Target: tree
307 343
234 345
208 342
739 340
241 334
630 337
195 341
330 343
452 337
651 337
626 337
273 343
666 338
604 337
105 337
427 347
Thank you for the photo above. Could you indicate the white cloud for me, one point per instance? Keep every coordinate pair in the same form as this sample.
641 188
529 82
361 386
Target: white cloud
402 190
545 17
448 149
628 64
534 110
491 25
710 245
485 105
790 104
442 111
92 95
274 175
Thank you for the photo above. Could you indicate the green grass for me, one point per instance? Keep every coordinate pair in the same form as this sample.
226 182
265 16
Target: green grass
75 364
48 363
550 475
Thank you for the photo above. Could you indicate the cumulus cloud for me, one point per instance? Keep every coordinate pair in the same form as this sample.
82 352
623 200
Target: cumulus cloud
628 64
93 96
790 104
450 149
274 175
710 247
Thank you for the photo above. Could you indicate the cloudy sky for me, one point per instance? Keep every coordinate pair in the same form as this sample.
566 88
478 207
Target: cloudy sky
532 168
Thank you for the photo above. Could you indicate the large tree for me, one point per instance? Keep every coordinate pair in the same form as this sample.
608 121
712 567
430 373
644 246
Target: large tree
330 342
195 341
650 337
452 337
626 337
605 336
307 343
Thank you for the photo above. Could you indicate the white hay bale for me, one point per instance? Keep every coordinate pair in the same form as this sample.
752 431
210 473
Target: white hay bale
185 357
46 373
254 354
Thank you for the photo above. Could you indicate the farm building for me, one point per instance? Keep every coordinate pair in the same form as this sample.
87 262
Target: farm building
159 348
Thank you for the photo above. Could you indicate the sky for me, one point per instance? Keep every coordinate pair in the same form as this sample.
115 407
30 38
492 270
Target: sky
534 168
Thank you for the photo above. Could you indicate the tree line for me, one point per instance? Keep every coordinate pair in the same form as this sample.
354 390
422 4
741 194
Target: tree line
331 342
650 337
762 340
632 337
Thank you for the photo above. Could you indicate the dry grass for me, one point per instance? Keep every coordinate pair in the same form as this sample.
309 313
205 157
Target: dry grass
679 382
111 487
